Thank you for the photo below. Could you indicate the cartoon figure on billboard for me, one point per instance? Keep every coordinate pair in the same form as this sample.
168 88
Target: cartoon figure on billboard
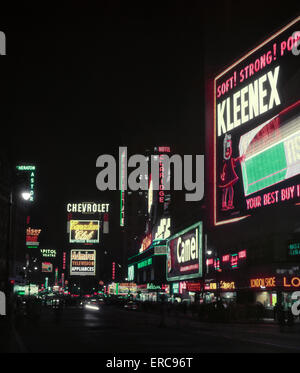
228 175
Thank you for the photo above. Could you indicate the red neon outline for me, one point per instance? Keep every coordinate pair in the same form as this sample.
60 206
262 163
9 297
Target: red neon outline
221 222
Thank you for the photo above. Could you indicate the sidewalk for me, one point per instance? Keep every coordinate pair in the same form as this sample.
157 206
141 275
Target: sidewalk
264 320
191 317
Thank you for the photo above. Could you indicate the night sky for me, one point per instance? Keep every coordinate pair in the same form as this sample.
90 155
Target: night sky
82 80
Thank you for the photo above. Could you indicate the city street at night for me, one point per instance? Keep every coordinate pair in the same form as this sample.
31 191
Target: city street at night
115 330
149 183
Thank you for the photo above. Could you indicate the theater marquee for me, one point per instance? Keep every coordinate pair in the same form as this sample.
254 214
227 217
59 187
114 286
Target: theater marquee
257 129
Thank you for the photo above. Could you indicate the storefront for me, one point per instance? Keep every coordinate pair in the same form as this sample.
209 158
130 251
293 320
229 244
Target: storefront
153 293
246 288
186 291
225 290
274 289
125 289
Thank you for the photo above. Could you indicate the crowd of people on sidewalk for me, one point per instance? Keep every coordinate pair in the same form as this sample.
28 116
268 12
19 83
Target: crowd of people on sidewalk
219 311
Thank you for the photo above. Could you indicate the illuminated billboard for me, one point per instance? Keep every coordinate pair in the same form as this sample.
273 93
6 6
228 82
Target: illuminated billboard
257 129
122 187
83 263
84 231
162 230
32 236
48 253
147 240
130 275
47 267
88 207
184 259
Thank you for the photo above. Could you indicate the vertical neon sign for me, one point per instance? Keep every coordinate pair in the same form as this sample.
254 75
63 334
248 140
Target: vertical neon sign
64 261
56 276
122 189
31 170
161 197
113 270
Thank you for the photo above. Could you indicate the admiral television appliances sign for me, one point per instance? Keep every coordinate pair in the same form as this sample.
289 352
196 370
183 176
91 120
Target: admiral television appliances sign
257 129
83 263
185 254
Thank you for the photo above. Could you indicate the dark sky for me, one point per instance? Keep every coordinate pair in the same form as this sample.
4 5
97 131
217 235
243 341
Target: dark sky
80 80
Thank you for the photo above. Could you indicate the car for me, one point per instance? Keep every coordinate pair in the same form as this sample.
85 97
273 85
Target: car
91 304
131 305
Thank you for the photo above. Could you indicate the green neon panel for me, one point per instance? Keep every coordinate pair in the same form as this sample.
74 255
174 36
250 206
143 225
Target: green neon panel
265 169
26 168
145 263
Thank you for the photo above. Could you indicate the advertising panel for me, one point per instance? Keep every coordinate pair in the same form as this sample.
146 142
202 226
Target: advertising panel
293 249
130 275
257 129
162 229
47 267
84 231
146 242
48 253
83 263
87 207
185 254
32 236
122 187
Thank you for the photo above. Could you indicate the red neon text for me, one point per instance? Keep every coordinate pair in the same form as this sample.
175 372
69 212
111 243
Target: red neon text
295 282
263 282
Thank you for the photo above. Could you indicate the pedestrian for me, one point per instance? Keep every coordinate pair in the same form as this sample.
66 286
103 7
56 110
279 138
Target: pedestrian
281 318
275 310
290 317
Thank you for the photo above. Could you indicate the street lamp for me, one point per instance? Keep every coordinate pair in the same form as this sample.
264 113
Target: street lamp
9 245
25 195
